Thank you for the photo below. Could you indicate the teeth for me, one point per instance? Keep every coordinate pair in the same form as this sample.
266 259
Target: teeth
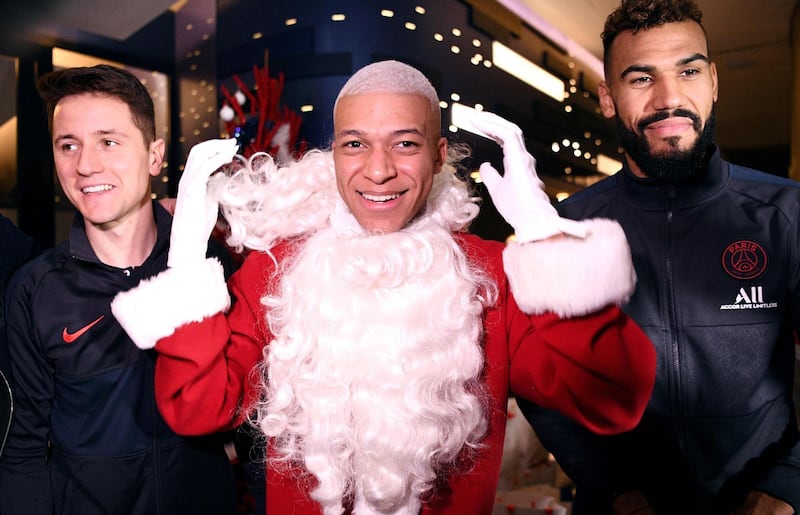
95 189
380 198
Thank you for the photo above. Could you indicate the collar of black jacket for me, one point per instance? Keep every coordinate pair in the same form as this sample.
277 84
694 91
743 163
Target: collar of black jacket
650 193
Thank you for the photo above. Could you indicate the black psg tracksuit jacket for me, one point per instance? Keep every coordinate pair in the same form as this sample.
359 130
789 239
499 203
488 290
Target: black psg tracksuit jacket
87 437
718 293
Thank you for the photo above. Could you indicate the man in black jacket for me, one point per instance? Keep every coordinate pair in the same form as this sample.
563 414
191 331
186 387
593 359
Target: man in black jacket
17 248
717 253
86 435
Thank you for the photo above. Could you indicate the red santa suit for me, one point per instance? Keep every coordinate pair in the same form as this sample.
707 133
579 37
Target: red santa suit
549 332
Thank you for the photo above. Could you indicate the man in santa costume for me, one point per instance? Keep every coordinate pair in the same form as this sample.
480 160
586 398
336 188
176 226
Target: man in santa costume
370 339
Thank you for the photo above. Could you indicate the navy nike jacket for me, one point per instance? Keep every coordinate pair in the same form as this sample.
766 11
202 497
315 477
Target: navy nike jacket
87 437
718 293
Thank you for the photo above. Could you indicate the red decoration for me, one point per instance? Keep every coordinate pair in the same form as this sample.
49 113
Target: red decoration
261 116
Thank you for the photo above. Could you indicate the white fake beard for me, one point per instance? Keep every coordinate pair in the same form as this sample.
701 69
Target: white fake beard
373 377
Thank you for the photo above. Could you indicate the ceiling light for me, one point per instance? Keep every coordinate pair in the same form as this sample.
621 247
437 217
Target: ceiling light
570 46
526 71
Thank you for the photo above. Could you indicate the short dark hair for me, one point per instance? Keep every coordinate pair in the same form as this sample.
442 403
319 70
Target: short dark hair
636 15
102 79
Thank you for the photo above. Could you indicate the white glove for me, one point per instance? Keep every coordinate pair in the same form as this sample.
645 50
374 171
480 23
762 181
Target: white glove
195 211
519 194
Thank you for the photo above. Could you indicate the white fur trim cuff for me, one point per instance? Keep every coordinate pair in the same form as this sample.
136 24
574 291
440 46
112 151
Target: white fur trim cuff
572 276
176 296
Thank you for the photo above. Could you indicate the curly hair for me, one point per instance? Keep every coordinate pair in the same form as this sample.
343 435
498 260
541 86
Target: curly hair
636 15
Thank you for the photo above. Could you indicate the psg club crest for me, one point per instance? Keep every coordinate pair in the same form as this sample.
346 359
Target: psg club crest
744 259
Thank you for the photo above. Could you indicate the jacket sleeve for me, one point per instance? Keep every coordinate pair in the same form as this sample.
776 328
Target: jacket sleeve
17 249
571 346
597 464
24 474
209 341
782 480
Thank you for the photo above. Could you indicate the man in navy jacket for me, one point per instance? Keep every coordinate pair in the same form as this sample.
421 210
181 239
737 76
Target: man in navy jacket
86 435
716 249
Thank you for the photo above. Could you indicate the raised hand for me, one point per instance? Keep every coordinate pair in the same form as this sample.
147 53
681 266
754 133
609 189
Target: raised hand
519 194
195 211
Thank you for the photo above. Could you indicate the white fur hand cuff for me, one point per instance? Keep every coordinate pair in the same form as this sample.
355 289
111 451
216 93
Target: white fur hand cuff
177 296
572 276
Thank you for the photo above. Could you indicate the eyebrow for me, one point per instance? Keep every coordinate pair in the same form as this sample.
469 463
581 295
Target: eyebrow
649 68
102 132
398 132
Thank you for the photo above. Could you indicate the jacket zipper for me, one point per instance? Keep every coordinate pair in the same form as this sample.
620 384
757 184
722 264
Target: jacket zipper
675 357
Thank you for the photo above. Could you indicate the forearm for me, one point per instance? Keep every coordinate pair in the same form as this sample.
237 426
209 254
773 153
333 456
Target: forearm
205 369
598 369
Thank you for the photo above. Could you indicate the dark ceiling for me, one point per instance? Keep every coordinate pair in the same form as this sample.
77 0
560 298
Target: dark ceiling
750 41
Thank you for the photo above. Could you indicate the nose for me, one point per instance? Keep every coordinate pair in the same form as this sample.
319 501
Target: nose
379 166
88 161
667 94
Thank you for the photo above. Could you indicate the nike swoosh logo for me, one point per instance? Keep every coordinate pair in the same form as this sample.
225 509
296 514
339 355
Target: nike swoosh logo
71 337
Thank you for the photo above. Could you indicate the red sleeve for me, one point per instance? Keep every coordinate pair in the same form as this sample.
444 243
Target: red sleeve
205 372
598 369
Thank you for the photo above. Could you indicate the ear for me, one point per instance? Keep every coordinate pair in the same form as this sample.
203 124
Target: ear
156 156
714 83
606 102
441 154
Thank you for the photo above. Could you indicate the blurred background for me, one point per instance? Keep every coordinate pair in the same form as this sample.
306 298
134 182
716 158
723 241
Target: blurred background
258 70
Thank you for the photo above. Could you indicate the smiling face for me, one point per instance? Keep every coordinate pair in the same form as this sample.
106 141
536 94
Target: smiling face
661 87
386 150
102 160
